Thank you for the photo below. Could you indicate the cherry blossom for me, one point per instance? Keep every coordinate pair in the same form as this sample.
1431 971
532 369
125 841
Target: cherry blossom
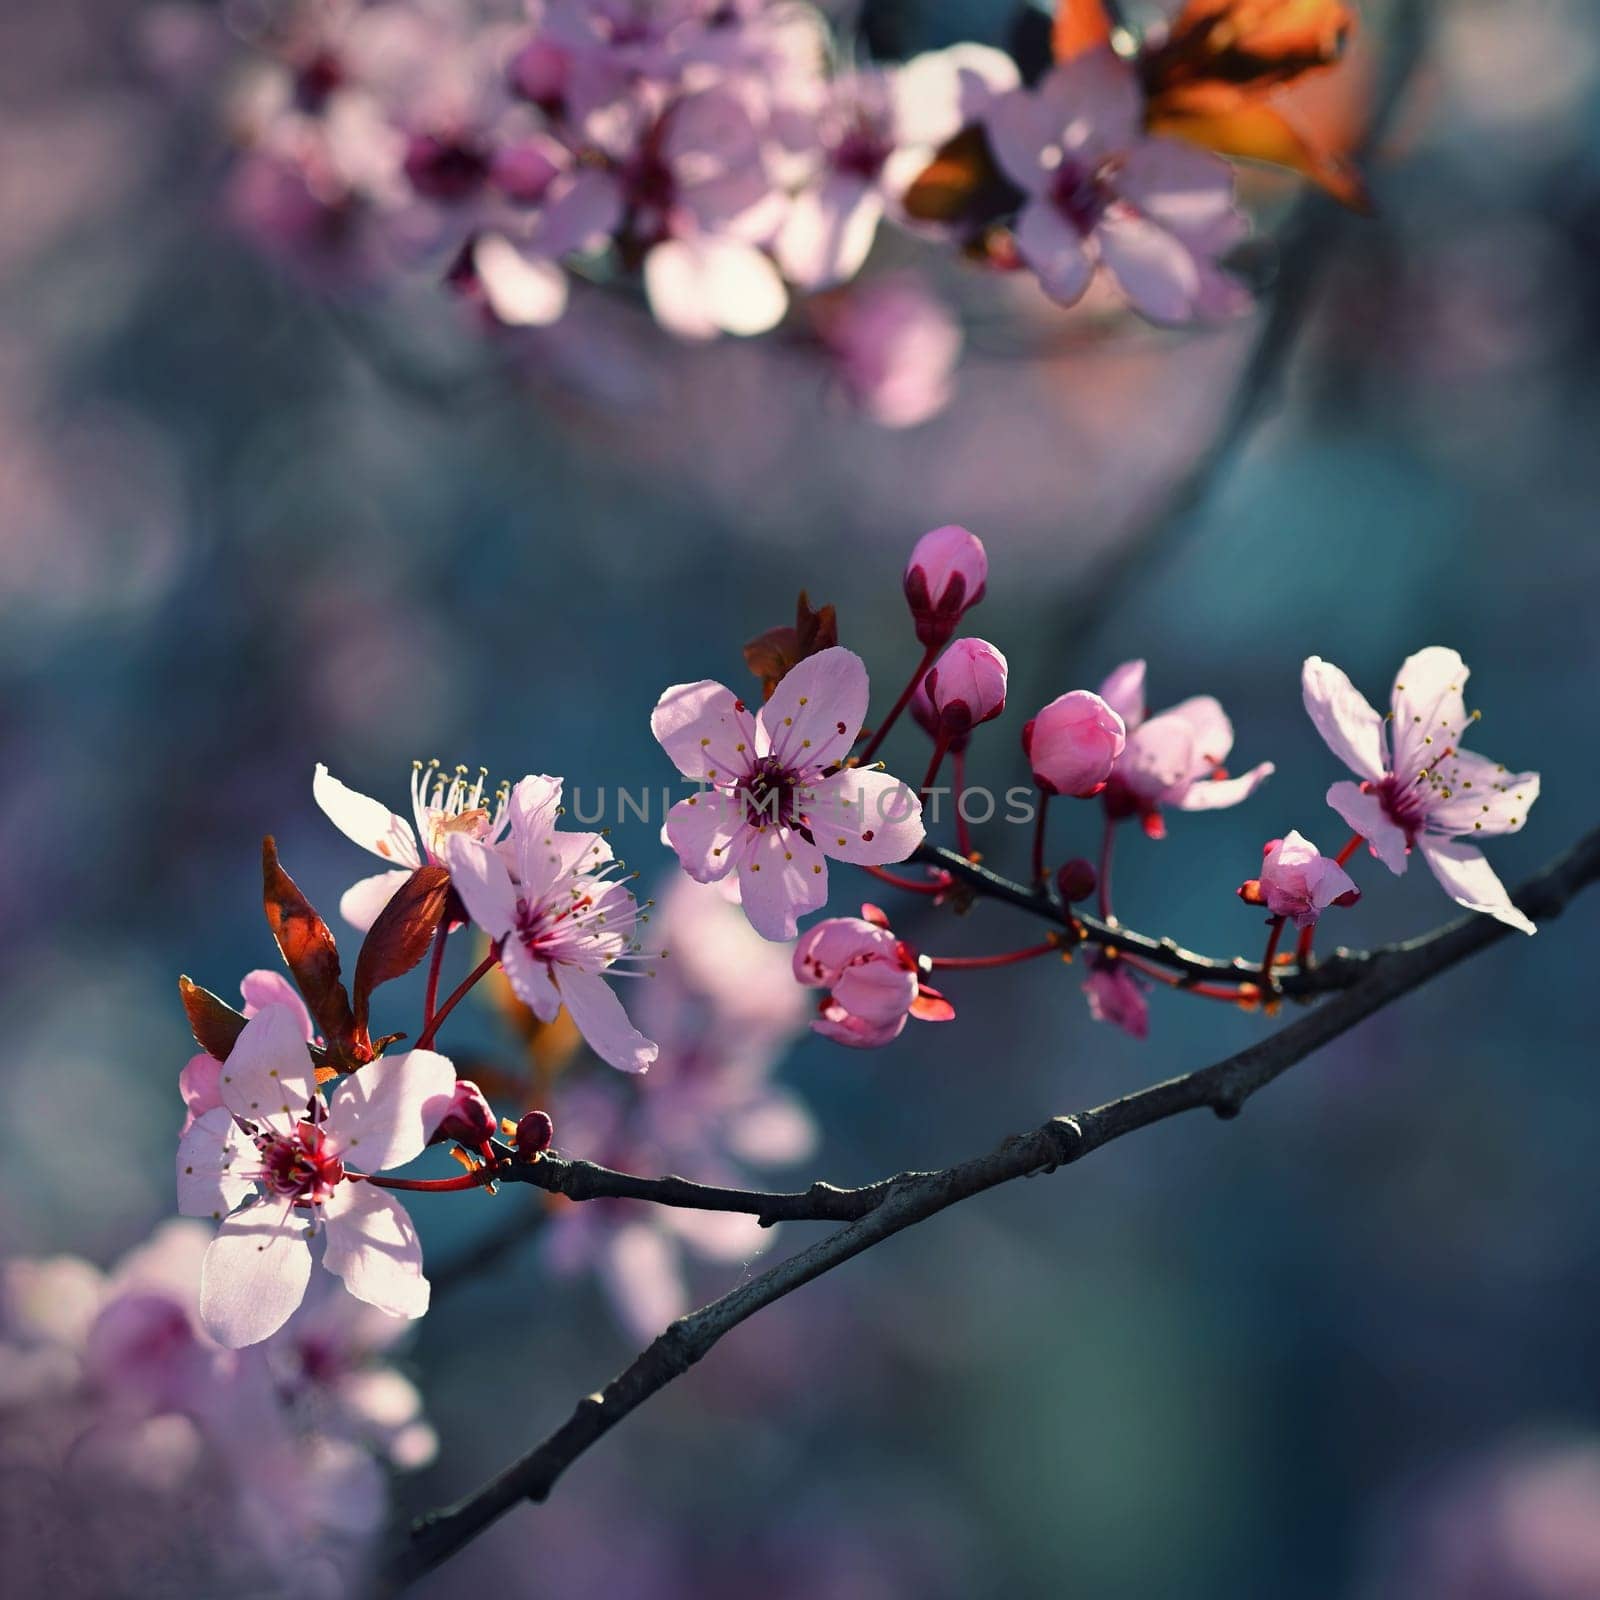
894 348
1153 214
1418 787
273 1138
780 800
872 980
200 1082
444 805
561 924
1116 995
1073 743
1172 759
947 575
1298 881
875 130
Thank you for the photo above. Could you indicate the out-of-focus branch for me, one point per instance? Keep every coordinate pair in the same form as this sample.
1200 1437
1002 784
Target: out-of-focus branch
898 1203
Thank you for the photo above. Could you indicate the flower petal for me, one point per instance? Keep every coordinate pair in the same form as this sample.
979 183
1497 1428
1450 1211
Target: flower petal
829 230
707 730
1055 250
1123 691
480 876
1342 715
815 713
600 1017
372 1244
1430 713
369 823
1482 796
1470 881
1215 794
360 904
641 1272
781 878
208 1185
1155 269
1364 812
379 1117
530 981
255 1275
702 829
268 1076
869 818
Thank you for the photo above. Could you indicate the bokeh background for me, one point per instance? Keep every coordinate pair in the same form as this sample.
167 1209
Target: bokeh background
1344 1347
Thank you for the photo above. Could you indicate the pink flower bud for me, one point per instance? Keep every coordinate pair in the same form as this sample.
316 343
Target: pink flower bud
1073 743
945 577
1297 881
469 1120
534 1133
1075 879
967 685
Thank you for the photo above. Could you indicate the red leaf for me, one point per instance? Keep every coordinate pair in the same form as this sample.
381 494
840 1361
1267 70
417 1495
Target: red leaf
213 1022
400 936
308 947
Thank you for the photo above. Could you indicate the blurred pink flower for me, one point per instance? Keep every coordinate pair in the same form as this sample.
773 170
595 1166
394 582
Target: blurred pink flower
778 803
1172 759
1153 214
1116 995
894 347
1418 786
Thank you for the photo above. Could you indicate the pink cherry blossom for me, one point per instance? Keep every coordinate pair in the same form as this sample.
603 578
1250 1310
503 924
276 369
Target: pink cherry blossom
200 1082
779 800
1116 995
967 685
876 130
1298 881
894 348
274 1139
872 979
1073 743
445 805
562 923
1153 214
947 575
1419 788
1172 759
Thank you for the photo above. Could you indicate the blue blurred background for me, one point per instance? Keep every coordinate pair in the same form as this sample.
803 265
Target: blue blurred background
1337 1349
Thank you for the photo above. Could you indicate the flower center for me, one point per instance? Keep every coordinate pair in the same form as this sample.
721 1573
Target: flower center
1078 193
445 804
299 1166
862 151
769 795
448 168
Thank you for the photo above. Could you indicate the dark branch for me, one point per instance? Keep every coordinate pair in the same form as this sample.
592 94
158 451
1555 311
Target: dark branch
898 1203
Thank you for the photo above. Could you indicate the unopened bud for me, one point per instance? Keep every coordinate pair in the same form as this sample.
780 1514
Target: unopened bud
468 1120
1075 879
534 1133
946 576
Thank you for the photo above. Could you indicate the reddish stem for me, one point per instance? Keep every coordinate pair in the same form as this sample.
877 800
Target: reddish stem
457 995
467 1180
910 884
1302 948
1273 936
958 778
1007 958
1173 980
430 1000
1038 838
1108 841
940 745
1355 843
899 705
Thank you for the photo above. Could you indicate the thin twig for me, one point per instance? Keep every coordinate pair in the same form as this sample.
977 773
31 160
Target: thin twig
901 1202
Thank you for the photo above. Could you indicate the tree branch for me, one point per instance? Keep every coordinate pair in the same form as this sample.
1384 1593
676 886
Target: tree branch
901 1202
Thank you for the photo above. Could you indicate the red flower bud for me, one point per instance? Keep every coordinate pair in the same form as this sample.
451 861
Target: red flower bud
534 1133
1075 879
469 1121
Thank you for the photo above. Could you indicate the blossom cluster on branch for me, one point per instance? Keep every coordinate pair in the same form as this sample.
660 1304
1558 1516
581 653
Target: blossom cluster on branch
298 1117
730 158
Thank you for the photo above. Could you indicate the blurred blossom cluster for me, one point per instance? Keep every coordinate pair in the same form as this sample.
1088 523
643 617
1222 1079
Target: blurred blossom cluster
719 158
130 1442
